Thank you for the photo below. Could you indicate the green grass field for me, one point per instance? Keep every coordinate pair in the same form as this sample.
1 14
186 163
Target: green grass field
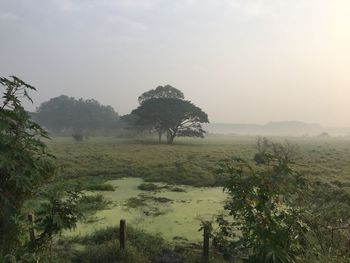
185 185
191 162
92 164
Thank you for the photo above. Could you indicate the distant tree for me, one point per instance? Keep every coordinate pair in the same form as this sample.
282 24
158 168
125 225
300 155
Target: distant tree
166 91
285 151
176 117
78 137
324 135
77 115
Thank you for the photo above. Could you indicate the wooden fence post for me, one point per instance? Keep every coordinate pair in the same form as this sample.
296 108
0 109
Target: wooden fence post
31 219
349 237
122 233
206 235
332 236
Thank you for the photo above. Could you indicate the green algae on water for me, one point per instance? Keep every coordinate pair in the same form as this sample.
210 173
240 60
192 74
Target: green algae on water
175 215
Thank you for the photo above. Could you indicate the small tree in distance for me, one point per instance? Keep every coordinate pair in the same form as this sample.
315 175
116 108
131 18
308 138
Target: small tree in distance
285 151
78 137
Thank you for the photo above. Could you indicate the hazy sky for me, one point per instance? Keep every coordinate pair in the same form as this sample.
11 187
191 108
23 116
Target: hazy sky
242 61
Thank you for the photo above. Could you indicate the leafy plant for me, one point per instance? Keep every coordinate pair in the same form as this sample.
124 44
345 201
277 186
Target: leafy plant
59 211
25 168
25 163
262 222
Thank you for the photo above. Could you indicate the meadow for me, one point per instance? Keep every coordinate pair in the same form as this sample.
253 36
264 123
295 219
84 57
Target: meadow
191 161
165 190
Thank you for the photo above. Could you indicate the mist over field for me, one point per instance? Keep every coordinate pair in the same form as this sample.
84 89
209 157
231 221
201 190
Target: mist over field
243 61
281 128
162 131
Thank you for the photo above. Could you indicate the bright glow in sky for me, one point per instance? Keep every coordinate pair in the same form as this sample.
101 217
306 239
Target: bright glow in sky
242 61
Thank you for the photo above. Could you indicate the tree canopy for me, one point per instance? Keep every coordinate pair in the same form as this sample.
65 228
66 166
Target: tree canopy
166 91
175 117
77 115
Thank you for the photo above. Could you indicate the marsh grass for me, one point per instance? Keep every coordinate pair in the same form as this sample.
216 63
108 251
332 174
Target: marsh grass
103 246
92 203
142 200
100 187
159 187
141 247
190 162
149 187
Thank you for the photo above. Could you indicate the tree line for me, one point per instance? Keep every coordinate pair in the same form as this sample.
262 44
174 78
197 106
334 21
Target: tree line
162 111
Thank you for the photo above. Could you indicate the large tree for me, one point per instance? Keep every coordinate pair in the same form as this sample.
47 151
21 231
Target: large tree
166 91
173 116
77 115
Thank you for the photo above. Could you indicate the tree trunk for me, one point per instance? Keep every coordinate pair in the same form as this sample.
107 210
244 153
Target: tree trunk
160 136
170 137
167 135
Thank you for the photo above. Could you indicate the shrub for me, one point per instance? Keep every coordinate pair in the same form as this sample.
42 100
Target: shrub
100 187
92 203
78 137
265 226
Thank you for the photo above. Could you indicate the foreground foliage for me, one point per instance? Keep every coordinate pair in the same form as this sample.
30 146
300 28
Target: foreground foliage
141 247
266 225
25 163
25 168
274 214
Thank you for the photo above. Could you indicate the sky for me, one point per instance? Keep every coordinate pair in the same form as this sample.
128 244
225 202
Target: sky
241 61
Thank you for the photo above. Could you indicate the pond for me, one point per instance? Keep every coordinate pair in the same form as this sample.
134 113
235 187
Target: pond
172 211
